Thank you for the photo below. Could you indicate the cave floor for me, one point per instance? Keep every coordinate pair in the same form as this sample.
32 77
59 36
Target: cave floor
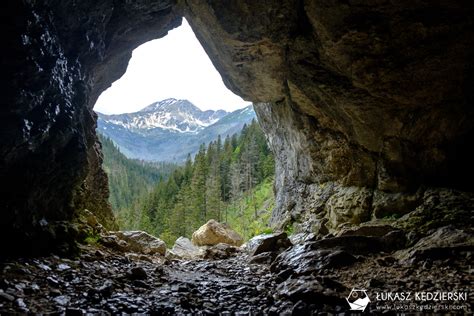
102 281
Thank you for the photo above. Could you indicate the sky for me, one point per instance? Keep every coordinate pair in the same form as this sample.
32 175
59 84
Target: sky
175 66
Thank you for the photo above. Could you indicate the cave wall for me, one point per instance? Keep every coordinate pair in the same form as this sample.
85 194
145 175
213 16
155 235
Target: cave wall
365 103
58 57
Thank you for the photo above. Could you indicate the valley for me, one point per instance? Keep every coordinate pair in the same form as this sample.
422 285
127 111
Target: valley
229 179
170 129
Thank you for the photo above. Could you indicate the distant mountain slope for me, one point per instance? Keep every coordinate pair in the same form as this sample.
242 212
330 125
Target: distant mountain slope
130 179
170 129
170 114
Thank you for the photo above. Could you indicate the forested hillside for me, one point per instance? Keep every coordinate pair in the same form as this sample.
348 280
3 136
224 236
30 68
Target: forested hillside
230 180
168 130
130 180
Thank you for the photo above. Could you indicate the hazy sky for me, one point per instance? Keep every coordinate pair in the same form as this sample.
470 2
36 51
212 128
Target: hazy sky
174 66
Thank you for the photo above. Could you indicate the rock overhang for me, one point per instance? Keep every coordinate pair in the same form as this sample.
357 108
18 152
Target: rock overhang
367 103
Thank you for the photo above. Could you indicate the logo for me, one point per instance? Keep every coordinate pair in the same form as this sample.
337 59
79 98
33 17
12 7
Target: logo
358 300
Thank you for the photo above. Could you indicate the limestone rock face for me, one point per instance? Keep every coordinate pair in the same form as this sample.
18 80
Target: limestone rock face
61 55
213 233
350 205
371 95
365 104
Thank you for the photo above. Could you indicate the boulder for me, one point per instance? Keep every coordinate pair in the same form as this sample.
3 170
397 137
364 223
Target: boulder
113 242
312 256
445 242
219 251
306 259
313 291
213 233
268 242
141 242
184 249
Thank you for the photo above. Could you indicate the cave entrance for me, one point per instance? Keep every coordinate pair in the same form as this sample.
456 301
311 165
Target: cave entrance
179 147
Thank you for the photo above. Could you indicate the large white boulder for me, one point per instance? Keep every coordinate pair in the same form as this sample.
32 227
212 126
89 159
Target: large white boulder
213 233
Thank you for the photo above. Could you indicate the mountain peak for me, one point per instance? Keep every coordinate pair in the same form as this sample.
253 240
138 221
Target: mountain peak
170 114
170 129
170 104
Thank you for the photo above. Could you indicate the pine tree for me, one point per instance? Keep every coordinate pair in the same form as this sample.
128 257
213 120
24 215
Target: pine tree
198 187
226 181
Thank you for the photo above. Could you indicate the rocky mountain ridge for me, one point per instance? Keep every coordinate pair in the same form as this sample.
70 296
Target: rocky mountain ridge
170 129
175 115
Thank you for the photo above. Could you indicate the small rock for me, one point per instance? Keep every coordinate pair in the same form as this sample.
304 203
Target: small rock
63 267
123 245
386 261
106 289
55 292
145 258
297 238
61 300
32 288
140 284
159 270
20 303
74 312
395 240
300 309
374 283
427 265
20 287
138 273
6 297
44 267
53 281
